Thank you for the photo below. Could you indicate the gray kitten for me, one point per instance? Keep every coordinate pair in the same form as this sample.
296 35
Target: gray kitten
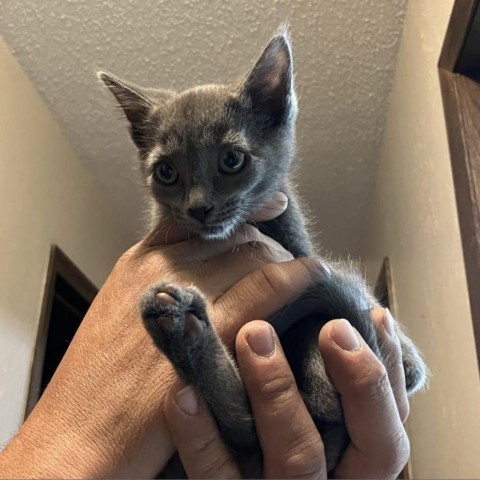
210 156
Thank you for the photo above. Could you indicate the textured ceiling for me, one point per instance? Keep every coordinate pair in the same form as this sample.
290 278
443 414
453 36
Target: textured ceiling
344 52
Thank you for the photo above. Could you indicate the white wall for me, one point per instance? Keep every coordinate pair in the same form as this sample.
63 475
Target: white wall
414 220
45 197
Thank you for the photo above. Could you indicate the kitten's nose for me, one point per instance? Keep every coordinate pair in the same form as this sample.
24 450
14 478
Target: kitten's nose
200 213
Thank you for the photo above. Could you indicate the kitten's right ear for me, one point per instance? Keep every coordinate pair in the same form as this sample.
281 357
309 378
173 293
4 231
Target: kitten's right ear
269 86
135 105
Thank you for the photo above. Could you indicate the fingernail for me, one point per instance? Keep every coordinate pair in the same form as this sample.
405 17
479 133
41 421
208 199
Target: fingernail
388 323
187 400
345 336
260 340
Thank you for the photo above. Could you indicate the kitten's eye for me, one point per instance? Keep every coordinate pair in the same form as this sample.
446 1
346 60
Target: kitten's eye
165 173
233 161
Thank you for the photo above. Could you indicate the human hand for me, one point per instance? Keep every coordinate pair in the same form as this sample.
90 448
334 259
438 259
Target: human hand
373 397
102 413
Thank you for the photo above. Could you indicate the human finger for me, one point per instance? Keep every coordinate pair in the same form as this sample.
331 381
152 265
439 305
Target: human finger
263 292
291 444
198 250
166 232
379 444
216 266
191 260
389 343
272 209
240 262
196 436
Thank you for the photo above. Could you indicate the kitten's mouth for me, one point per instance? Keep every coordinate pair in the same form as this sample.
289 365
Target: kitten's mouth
218 229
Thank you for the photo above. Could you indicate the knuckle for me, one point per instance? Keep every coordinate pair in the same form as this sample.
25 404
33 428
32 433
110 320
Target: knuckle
204 444
374 381
214 461
395 452
217 467
281 389
299 466
304 461
274 278
279 278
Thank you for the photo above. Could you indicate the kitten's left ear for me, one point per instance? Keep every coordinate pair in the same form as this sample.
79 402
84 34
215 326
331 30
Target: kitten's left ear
269 86
135 105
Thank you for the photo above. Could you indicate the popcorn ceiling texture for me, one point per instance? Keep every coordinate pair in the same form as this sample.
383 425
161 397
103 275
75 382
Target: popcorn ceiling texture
344 53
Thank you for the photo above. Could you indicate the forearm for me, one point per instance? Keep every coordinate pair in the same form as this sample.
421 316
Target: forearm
103 412
75 432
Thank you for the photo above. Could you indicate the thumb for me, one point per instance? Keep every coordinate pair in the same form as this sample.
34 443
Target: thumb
166 232
272 209
263 292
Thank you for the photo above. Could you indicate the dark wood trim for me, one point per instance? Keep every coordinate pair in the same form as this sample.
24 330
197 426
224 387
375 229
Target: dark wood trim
42 331
460 21
67 269
461 100
468 61
58 264
384 287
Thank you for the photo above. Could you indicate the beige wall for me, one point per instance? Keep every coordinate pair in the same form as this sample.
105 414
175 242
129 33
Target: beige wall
45 197
414 220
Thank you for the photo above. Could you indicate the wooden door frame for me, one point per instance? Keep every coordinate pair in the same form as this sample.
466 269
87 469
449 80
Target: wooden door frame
58 264
459 71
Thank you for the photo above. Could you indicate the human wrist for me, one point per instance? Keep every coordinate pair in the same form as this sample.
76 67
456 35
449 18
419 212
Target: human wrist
126 435
100 415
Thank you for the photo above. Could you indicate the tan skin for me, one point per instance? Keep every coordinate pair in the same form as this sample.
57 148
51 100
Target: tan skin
103 413
374 402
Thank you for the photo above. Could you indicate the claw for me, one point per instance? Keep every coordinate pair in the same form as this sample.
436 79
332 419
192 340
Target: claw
166 298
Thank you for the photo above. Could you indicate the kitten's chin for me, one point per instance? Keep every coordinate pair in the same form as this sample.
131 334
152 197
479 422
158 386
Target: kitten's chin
217 233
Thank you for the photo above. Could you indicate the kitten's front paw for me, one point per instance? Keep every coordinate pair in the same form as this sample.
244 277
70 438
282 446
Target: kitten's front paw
175 317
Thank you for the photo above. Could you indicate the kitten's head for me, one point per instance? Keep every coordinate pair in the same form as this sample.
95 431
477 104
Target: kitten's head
211 155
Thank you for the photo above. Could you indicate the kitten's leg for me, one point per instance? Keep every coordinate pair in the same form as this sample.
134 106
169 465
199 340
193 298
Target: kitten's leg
300 344
340 293
177 320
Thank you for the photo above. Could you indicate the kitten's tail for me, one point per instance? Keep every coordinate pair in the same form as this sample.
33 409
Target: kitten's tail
340 292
